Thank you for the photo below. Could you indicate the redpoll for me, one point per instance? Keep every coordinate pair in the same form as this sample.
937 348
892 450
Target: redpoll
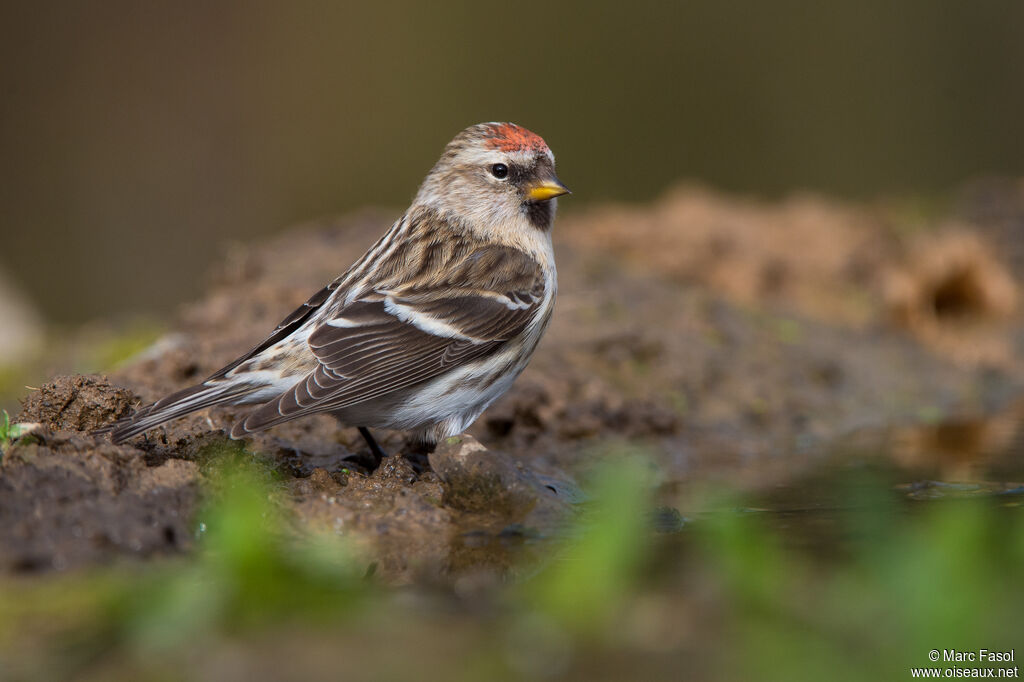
430 326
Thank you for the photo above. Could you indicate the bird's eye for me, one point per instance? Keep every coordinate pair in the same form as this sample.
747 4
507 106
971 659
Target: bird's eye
500 171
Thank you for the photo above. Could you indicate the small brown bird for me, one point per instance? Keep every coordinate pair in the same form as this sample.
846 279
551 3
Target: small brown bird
430 326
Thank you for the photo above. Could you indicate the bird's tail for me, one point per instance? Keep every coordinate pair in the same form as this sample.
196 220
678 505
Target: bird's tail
176 405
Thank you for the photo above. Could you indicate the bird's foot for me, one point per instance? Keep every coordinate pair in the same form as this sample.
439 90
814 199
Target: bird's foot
369 461
364 461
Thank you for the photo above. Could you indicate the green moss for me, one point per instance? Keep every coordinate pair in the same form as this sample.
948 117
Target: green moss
122 346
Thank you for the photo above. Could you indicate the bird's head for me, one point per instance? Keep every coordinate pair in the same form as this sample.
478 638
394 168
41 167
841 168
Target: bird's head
495 176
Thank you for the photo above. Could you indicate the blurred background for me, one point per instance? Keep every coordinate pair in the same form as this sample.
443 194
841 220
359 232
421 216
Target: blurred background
761 439
138 138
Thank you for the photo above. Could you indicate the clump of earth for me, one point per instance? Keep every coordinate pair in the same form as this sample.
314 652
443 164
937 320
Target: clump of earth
727 339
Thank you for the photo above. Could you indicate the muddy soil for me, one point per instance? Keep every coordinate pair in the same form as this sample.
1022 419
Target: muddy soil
732 340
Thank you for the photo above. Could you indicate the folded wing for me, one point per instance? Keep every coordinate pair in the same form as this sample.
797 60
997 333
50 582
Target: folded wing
390 339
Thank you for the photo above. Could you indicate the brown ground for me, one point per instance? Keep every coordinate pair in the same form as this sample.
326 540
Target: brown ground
732 339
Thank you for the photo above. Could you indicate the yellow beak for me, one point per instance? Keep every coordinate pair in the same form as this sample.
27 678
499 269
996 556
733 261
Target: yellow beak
547 189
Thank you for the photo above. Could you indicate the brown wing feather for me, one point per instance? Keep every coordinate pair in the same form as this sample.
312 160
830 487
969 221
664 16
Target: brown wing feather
380 350
310 307
288 325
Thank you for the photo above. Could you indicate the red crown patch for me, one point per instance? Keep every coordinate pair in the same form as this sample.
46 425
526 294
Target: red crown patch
508 137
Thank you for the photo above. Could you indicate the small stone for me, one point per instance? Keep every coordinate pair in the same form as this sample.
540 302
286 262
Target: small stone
478 480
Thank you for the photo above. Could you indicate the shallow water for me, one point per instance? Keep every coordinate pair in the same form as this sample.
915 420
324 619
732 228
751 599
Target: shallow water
820 508
901 470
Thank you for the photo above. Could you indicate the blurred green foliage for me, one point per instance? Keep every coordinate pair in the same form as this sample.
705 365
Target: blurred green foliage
584 588
99 347
945 578
110 348
252 568
749 604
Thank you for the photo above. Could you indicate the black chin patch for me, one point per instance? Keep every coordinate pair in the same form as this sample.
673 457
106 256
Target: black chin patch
539 213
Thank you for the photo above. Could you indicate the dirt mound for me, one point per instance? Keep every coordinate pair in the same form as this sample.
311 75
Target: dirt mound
946 282
726 338
67 500
77 403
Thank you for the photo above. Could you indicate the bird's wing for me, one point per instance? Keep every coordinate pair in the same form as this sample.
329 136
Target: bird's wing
393 337
305 312
286 328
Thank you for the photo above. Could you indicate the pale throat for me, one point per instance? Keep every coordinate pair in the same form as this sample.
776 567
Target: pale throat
514 229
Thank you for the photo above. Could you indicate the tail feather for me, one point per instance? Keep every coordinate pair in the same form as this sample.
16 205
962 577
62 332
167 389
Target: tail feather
176 405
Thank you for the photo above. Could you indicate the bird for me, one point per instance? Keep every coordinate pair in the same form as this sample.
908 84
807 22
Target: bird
429 327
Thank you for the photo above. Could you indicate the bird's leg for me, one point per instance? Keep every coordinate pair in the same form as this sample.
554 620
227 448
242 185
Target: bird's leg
375 450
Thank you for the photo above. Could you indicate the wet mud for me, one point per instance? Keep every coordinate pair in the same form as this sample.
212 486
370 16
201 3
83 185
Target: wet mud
729 340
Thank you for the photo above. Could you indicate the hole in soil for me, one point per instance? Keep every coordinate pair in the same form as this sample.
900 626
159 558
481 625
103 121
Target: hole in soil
960 294
500 426
28 564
